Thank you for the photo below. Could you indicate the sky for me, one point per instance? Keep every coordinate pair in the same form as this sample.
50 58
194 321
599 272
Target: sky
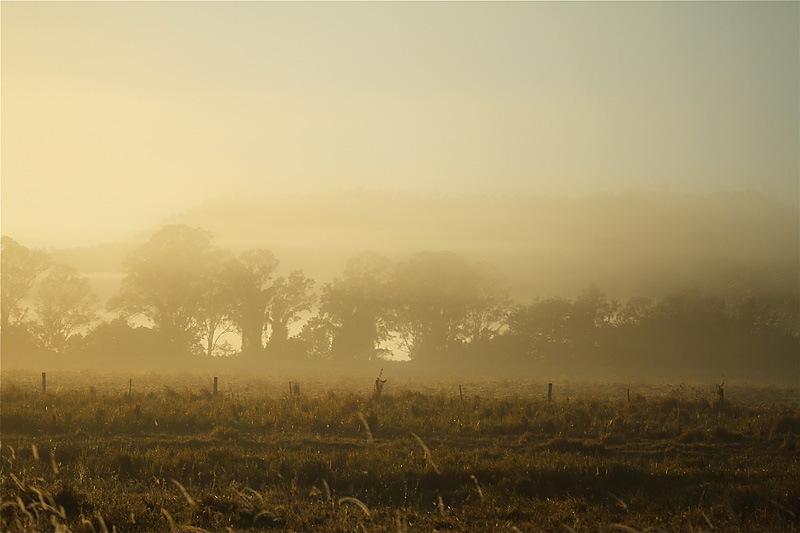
116 115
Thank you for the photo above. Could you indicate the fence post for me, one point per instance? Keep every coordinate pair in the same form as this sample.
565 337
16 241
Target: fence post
130 387
215 385
549 392
461 394
44 383
629 396
291 390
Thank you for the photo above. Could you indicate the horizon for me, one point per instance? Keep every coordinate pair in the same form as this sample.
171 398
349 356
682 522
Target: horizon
51 241
637 243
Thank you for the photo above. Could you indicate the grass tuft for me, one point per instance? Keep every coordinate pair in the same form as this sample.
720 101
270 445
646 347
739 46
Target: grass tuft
185 493
428 454
365 425
361 505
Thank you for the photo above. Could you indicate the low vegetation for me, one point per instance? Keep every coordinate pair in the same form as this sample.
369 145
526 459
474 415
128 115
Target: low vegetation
180 458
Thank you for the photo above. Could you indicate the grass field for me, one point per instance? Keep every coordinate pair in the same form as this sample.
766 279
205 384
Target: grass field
172 456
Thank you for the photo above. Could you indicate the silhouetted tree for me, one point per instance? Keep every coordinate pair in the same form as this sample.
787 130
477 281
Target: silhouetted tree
250 278
316 337
487 316
358 306
591 321
64 303
19 269
628 344
542 329
635 311
689 328
216 302
288 298
443 301
763 338
131 346
163 283
20 346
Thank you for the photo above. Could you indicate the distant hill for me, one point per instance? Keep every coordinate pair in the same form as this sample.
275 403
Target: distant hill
635 243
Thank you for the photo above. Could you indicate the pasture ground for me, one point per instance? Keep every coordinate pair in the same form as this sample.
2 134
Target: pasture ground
172 456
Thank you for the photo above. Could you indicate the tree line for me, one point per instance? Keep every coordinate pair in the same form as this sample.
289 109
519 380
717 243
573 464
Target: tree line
182 296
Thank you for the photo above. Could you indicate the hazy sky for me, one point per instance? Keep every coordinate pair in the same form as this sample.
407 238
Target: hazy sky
115 115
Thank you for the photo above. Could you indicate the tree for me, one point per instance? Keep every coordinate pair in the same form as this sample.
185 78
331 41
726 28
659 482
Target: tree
164 284
289 298
250 286
357 307
19 269
542 329
133 346
689 328
487 316
635 311
593 309
64 303
316 337
216 303
759 329
591 322
628 343
435 293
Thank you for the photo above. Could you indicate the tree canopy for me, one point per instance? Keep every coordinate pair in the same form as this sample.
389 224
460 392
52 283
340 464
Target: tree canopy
64 303
18 272
358 306
163 283
181 295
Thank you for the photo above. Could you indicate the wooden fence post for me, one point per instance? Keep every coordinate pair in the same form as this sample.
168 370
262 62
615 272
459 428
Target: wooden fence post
549 392
291 390
629 396
461 394
44 383
130 387
215 385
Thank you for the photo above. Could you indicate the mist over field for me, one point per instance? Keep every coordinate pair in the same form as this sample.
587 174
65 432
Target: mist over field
636 243
637 283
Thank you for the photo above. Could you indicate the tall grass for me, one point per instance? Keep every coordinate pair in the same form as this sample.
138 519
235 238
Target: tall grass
178 459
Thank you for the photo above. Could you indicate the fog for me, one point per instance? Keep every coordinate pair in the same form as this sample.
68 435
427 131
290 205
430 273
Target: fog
507 266
556 186
634 243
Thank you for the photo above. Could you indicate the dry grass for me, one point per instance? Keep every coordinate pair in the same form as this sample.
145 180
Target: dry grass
173 459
